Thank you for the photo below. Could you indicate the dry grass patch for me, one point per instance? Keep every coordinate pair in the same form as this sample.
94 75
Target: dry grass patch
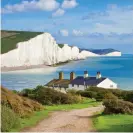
20 105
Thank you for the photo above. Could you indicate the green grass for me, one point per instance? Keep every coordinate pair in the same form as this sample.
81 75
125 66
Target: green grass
114 123
38 116
61 45
9 43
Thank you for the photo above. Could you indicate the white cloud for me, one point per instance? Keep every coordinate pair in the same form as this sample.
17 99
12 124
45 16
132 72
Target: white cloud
69 4
77 33
59 12
115 19
45 5
64 32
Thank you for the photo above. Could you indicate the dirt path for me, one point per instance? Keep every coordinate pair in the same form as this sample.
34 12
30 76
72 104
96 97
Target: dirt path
67 121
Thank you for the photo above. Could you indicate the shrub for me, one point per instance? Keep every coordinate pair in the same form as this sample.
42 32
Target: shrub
9 119
72 91
26 92
128 96
89 94
21 105
48 96
99 96
110 96
117 106
15 91
75 98
121 94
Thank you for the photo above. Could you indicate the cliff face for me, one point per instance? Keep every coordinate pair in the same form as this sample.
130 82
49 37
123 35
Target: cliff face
117 53
39 50
43 50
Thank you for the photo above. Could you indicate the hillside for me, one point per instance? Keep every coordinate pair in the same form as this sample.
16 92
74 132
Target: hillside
20 105
101 51
9 39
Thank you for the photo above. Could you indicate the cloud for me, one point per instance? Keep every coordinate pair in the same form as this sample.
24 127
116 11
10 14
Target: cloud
69 4
114 19
44 5
77 33
59 12
64 32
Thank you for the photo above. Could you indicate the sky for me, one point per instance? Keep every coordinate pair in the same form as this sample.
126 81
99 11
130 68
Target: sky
85 23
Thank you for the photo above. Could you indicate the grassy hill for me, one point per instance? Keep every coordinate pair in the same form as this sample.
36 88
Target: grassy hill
9 39
20 105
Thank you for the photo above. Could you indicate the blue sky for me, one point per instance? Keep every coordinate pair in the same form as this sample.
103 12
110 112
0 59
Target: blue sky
85 23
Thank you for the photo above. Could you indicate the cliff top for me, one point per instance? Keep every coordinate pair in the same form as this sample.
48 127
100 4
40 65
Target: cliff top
9 39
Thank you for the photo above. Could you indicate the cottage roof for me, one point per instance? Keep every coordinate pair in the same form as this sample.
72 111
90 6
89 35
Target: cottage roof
91 81
59 83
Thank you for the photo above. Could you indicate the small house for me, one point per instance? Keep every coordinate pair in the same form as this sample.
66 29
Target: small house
81 82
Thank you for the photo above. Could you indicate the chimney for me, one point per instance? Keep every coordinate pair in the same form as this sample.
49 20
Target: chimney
98 75
85 74
72 76
61 75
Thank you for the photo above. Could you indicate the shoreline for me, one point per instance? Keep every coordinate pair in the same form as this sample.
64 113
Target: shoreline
22 68
19 68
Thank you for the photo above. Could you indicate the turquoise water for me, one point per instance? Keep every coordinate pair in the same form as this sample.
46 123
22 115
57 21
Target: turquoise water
119 69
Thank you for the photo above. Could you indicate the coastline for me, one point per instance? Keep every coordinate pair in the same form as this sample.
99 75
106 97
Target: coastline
31 68
19 68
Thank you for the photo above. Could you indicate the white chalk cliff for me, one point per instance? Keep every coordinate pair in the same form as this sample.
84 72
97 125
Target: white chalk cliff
116 53
40 50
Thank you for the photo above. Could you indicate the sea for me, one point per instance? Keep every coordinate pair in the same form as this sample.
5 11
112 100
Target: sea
118 69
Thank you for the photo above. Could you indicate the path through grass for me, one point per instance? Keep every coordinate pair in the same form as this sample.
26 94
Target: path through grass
38 116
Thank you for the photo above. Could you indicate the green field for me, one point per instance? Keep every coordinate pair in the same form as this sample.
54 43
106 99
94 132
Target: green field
114 123
9 43
37 116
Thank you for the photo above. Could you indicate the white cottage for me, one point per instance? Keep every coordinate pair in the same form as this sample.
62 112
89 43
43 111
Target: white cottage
81 82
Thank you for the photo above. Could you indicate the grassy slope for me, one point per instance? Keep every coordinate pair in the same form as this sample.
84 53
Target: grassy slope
21 105
114 123
37 116
9 43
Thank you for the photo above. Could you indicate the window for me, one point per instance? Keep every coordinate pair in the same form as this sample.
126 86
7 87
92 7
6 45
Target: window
72 85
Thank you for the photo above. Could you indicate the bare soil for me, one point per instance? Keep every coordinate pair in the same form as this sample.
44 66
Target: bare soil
78 120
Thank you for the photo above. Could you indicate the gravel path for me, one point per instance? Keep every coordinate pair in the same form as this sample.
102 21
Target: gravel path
67 121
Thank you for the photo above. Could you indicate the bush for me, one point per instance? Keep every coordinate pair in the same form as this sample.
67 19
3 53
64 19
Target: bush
72 91
128 96
21 105
117 106
99 96
121 94
48 96
26 92
9 119
89 94
110 96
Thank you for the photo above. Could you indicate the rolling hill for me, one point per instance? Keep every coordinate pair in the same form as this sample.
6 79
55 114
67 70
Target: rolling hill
9 39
